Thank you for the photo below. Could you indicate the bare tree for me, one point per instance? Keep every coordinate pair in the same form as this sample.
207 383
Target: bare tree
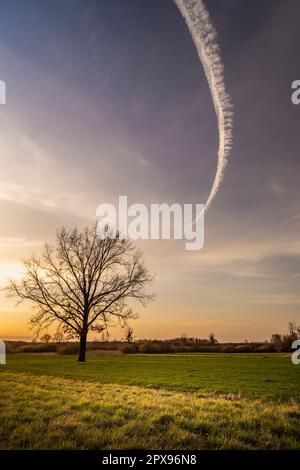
46 338
83 284
283 342
58 337
212 339
129 337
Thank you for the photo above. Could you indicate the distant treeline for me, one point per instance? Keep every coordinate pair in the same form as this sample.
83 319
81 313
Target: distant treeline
177 345
183 344
190 346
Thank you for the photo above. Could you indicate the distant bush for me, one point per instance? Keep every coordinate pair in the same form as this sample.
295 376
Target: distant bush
175 348
283 343
228 348
268 347
104 345
12 346
37 348
129 348
149 347
244 348
68 348
168 346
202 348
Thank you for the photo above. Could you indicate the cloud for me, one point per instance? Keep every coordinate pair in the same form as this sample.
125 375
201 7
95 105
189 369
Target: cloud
204 38
277 189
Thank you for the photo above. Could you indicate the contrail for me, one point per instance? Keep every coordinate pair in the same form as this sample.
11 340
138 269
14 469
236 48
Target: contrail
204 38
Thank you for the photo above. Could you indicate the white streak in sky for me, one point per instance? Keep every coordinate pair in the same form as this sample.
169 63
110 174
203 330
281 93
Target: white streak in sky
204 38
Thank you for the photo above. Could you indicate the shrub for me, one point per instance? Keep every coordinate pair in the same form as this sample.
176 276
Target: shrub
104 345
38 348
206 348
228 348
149 347
12 346
284 342
265 348
129 348
68 348
244 348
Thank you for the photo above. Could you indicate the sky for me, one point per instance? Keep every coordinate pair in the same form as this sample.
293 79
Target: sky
108 98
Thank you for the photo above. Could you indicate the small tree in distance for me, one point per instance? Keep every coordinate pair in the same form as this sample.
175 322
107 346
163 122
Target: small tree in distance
46 338
129 337
283 342
83 284
212 339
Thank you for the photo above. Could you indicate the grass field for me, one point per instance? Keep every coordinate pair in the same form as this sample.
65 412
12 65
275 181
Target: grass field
213 401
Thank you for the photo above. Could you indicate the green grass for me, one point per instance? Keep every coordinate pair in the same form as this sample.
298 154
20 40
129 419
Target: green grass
161 402
270 376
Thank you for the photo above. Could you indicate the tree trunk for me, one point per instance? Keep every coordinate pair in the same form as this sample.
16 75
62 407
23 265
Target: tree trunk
82 349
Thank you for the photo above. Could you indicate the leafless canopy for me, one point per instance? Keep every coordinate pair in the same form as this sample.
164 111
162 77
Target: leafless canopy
84 283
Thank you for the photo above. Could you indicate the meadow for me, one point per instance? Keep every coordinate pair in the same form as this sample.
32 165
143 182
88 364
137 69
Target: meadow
176 401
